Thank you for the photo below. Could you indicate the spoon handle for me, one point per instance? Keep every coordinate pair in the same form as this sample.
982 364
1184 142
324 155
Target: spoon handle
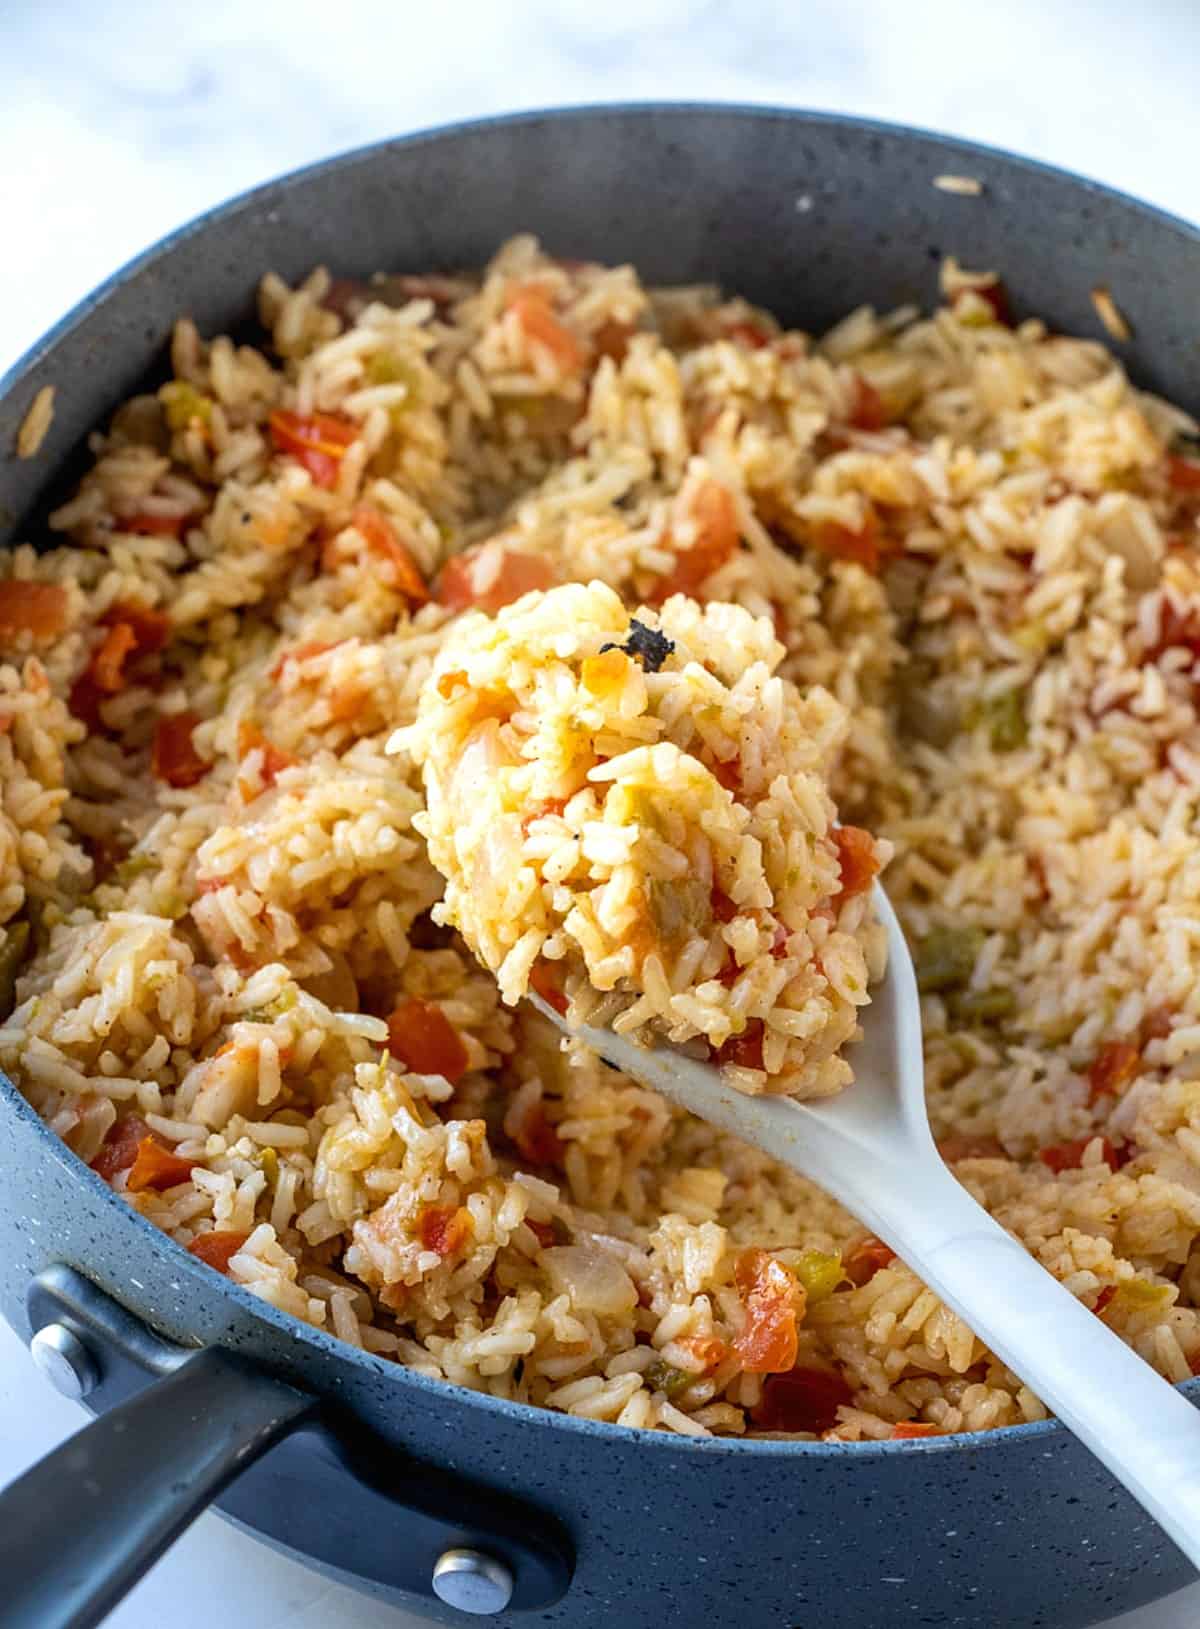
1145 1431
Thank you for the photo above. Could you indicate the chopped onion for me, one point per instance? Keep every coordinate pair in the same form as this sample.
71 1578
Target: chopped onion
592 1277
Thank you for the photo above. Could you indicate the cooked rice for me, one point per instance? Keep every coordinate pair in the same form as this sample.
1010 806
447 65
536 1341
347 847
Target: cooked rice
979 540
35 426
636 810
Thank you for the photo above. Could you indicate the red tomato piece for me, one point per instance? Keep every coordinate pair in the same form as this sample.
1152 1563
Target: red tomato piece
1069 1156
380 537
723 908
216 1249
119 1149
745 1051
843 543
1183 474
156 1167
533 311
545 979
150 524
716 537
865 1260
318 442
867 411
1114 1066
856 858
425 1041
801 1400
274 761
445 1228
480 580
1105 1296
535 1137
174 757
913 1430
774 1303
36 608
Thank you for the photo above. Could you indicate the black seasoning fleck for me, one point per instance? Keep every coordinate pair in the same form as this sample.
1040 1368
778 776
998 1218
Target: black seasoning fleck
647 645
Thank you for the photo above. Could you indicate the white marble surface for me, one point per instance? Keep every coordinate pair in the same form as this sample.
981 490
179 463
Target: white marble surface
120 120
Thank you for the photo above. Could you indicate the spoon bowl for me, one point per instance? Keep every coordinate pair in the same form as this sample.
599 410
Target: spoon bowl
871 1148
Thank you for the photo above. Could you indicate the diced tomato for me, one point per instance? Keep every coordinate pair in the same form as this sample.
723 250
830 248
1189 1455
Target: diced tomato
400 569
156 1167
425 1041
36 608
843 543
534 1136
996 295
531 307
548 806
119 1149
711 509
612 338
545 979
274 760
151 629
728 773
867 411
1069 1156
857 859
959 1146
723 908
710 1350
318 442
478 579
1157 1024
217 1250
149 524
801 1400
744 1051
301 653
445 1228
865 1260
108 660
747 333
1177 630
543 1232
1115 1065
1183 474
774 1305
174 757
913 1430
1105 1296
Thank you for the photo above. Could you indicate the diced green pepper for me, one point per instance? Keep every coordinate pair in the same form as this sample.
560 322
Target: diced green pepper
945 959
662 1377
12 954
981 1005
1004 716
182 403
820 1274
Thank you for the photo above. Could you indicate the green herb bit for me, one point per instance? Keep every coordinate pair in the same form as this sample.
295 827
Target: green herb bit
1004 716
946 958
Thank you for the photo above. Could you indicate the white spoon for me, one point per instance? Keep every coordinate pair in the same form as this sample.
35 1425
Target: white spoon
871 1148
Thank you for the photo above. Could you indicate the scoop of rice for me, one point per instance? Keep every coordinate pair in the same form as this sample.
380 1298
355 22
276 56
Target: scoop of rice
632 815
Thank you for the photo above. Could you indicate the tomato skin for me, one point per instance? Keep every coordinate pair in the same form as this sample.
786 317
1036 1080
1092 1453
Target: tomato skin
318 442
156 1167
802 1400
1069 1156
217 1249
868 411
711 510
424 1040
857 859
744 1051
36 608
866 1259
119 1149
774 1303
468 582
445 1229
174 758
1183 474
379 534
1114 1066
545 979
535 315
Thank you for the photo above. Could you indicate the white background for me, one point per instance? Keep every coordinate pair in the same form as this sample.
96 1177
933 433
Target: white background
120 121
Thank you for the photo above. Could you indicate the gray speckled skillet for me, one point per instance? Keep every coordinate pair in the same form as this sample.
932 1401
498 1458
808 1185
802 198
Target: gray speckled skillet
375 1472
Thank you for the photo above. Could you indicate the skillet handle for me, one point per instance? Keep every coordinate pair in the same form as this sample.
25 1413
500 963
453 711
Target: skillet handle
79 1529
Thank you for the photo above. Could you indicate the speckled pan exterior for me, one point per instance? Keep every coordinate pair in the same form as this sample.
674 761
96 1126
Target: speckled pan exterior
808 215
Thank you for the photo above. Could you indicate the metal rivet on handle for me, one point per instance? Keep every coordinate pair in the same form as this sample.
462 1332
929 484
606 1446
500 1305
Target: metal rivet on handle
64 1360
472 1581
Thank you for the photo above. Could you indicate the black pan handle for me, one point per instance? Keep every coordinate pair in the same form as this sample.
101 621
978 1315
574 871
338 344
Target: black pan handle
79 1529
